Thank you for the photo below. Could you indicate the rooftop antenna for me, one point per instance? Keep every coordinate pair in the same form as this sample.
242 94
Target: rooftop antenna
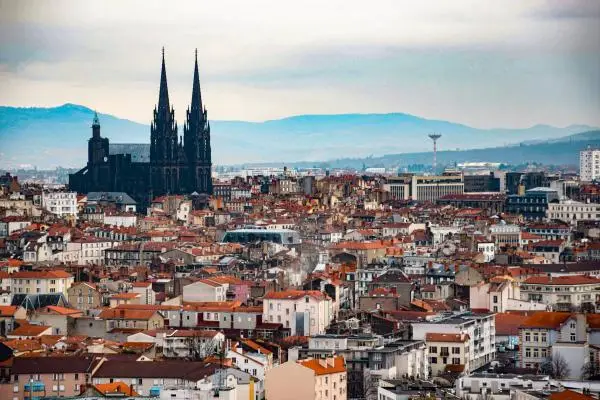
435 137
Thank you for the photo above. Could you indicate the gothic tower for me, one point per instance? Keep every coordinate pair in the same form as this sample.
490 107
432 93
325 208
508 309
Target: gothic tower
196 138
164 149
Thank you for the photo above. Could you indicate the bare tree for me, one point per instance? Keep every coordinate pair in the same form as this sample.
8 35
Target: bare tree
590 370
556 366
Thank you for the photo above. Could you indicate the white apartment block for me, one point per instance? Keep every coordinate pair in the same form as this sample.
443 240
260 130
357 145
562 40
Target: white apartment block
305 313
589 164
562 292
481 329
91 250
573 211
61 204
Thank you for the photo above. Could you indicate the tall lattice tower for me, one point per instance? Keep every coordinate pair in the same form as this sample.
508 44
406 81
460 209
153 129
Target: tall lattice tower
435 137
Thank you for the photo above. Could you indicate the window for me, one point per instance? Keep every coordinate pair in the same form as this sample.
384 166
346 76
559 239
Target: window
433 349
495 299
543 337
527 337
573 337
527 352
433 360
306 299
245 361
76 377
456 350
455 360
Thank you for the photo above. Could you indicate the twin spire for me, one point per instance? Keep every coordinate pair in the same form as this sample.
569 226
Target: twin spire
163 95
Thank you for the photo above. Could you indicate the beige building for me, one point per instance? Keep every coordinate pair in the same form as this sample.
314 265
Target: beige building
126 318
448 349
41 282
84 296
304 312
309 379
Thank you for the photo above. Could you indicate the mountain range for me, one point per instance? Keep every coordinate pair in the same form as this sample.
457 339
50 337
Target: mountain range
57 136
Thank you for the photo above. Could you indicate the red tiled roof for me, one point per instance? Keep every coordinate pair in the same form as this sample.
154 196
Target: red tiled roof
569 395
295 294
563 280
446 337
339 365
41 274
546 319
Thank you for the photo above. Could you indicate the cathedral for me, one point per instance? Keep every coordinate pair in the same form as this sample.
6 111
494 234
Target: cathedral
171 164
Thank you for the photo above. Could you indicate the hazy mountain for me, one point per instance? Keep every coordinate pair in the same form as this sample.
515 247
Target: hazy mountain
48 137
561 151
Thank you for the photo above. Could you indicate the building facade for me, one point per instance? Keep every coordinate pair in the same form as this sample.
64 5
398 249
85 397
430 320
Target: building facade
589 164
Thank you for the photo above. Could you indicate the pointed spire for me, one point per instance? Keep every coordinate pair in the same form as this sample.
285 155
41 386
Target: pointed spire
196 95
96 121
163 96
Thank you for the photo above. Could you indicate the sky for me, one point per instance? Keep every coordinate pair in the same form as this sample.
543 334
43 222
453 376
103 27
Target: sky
484 63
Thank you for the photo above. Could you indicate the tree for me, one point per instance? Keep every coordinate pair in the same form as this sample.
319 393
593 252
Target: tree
590 370
557 367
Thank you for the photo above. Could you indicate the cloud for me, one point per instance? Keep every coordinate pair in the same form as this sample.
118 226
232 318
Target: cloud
462 60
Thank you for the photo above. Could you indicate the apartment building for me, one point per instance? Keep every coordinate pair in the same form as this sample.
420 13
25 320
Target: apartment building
144 289
424 188
304 312
563 293
480 328
589 165
62 204
41 282
448 351
39 377
310 379
544 335
84 296
572 211
505 235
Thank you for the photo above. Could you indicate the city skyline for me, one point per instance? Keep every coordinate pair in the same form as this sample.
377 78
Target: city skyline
516 66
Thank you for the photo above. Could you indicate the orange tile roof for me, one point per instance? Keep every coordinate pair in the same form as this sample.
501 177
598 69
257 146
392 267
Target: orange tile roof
120 313
125 296
62 310
507 324
339 365
41 274
29 330
446 337
546 319
563 280
569 395
23 344
8 311
114 388
593 320
295 294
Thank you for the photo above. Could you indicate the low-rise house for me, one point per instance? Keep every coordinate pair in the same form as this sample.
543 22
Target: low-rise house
118 299
205 290
152 378
144 289
304 312
448 349
51 376
125 318
544 335
29 331
8 316
59 318
84 296
194 344
308 379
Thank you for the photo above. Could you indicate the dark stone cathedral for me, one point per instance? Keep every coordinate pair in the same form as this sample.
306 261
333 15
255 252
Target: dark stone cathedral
176 165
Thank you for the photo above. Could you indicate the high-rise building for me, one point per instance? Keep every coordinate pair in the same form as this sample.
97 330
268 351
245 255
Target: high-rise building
589 164
170 164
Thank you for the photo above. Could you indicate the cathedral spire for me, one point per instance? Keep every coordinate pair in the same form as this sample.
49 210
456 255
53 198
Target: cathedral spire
163 96
96 120
196 106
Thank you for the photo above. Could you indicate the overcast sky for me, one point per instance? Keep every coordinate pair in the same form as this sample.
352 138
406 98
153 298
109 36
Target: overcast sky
500 63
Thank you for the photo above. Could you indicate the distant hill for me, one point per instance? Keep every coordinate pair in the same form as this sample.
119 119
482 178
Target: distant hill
47 137
562 151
